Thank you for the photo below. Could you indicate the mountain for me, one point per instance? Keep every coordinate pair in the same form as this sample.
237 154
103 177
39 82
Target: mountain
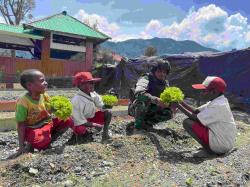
136 47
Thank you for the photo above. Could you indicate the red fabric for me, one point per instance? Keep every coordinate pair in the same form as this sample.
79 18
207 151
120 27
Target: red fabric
201 131
40 138
79 130
98 118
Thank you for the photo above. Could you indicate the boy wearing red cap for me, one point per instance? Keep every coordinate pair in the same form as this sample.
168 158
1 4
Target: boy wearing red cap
212 125
88 106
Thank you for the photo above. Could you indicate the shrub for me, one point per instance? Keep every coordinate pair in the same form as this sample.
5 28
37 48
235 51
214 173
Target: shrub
172 94
109 100
60 106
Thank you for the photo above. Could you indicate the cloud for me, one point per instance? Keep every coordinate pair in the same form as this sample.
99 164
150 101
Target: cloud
210 26
153 25
111 29
2 20
248 37
123 37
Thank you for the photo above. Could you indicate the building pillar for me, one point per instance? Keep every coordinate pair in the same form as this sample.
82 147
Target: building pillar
89 56
45 53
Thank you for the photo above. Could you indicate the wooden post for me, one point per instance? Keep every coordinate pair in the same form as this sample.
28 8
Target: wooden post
89 55
45 53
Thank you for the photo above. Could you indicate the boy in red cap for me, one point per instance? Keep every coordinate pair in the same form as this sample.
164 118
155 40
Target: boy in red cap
212 125
35 125
88 106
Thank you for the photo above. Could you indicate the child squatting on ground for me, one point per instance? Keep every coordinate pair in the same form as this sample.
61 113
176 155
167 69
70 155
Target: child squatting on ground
88 107
145 104
211 125
35 125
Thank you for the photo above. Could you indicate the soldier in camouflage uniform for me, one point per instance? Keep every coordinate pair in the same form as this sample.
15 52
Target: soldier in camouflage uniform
145 104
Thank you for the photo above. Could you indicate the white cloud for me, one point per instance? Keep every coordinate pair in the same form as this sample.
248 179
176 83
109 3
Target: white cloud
111 29
210 26
145 35
153 25
248 37
103 25
2 20
123 37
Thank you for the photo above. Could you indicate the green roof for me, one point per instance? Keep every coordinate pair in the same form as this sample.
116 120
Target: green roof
67 24
18 31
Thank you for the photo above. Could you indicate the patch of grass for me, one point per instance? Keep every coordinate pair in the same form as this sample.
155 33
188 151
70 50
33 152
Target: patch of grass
103 150
243 135
213 170
75 179
135 174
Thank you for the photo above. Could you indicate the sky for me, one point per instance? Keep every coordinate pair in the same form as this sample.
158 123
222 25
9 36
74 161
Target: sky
220 24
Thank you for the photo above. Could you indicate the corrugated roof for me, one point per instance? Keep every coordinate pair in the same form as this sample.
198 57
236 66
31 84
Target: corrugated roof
18 31
67 24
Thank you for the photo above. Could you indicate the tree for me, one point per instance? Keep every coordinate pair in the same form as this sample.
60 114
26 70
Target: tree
14 11
150 51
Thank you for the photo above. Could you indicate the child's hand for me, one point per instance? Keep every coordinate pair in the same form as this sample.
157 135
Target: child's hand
97 126
174 107
161 104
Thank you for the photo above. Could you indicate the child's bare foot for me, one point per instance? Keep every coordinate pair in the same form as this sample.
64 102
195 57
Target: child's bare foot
28 148
106 139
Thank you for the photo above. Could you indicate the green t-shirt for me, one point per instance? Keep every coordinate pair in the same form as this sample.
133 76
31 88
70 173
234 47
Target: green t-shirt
32 111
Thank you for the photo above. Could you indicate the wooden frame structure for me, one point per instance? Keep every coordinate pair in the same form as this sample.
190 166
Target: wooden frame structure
60 46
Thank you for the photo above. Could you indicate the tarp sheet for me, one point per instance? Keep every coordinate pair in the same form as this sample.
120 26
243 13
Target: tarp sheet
233 66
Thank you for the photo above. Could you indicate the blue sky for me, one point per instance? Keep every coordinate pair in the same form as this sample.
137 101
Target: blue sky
221 24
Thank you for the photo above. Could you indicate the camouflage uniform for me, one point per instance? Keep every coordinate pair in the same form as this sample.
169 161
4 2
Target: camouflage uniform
143 107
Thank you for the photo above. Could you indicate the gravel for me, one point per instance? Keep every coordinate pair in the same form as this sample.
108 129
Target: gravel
160 158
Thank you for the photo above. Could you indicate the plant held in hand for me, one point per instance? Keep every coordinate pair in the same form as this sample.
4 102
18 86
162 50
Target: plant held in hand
60 106
172 94
109 100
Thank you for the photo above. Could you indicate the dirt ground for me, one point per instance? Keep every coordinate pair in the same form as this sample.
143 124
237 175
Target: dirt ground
162 157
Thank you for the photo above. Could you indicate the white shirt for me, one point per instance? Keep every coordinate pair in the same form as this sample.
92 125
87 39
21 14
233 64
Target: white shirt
218 117
85 106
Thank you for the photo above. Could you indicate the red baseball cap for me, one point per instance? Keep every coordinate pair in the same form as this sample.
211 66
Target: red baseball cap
83 77
212 82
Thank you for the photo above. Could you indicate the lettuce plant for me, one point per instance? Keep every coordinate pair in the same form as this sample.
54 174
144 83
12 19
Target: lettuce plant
172 94
109 100
60 106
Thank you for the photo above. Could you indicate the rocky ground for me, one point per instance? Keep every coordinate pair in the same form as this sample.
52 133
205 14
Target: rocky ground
161 157
158 158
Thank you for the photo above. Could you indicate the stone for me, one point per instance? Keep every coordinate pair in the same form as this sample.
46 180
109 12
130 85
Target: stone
68 183
52 165
78 169
106 163
117 144
33 171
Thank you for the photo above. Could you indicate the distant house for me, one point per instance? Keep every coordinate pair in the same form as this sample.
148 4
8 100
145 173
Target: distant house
59 46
